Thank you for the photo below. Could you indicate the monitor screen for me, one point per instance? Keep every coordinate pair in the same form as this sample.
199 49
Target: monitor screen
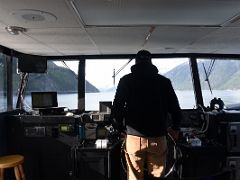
44 99
105 106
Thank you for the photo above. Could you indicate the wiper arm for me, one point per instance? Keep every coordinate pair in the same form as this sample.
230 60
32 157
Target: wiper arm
207 78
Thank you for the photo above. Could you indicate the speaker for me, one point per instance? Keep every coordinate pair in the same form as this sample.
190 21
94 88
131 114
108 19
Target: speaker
32 63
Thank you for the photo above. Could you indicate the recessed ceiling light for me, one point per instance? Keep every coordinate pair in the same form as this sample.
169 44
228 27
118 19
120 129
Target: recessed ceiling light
15 30
33 16
168 48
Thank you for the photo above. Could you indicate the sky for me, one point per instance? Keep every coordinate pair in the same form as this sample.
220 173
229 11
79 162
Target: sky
100 72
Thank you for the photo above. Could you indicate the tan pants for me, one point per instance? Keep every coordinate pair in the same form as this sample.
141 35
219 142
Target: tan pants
140 150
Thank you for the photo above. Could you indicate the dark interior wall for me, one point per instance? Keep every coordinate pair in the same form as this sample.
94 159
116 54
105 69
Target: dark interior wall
4 127
3 134
4 144
47 156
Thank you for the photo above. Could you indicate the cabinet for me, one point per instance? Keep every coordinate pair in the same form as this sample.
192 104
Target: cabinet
93 163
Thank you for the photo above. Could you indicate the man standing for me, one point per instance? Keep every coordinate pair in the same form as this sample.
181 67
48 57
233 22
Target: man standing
142 102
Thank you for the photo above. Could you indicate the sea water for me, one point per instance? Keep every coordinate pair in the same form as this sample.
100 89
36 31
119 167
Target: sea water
186 99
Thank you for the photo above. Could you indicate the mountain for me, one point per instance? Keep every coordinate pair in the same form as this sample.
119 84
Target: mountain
225 75
57 78
180 77
108 89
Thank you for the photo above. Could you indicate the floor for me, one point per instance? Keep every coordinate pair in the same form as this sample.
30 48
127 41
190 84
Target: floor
224 175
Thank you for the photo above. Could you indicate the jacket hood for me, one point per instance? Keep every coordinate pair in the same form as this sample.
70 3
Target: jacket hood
144 68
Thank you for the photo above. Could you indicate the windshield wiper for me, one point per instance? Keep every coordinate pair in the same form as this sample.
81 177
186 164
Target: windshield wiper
207 73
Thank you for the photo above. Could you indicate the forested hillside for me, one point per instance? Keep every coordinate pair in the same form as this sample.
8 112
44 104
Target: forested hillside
225 75
56 78
60 78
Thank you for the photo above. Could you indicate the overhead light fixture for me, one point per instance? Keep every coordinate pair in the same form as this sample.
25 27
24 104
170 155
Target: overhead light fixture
15 30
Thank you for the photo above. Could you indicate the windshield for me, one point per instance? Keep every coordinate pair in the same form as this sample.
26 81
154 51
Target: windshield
59 78
100 74
3 79
220 79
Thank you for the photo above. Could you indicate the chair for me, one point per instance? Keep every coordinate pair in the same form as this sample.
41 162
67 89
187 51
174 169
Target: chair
12 161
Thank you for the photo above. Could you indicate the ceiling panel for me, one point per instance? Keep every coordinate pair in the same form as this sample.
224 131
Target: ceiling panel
30 48
196 50
36 49
63 39
156 12
123 39
23 43
220 41
2 25
174 39
121 26
55 13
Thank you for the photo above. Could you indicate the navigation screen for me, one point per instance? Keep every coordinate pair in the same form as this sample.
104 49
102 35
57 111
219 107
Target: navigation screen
44 99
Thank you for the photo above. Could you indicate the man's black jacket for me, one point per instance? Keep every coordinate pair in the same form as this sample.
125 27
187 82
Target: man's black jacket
144 99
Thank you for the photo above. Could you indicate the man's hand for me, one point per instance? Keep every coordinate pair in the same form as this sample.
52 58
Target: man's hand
173 133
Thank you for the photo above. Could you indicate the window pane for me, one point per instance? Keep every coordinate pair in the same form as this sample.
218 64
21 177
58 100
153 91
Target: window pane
58 78
99 73
16 81
224 78
178 71
3 83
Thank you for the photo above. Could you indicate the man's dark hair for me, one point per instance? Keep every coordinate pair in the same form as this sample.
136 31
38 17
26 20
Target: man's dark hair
143 56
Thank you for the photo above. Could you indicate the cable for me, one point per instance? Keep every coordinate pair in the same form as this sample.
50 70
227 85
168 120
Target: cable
65 64
120 69
205 123
123 151
22 85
